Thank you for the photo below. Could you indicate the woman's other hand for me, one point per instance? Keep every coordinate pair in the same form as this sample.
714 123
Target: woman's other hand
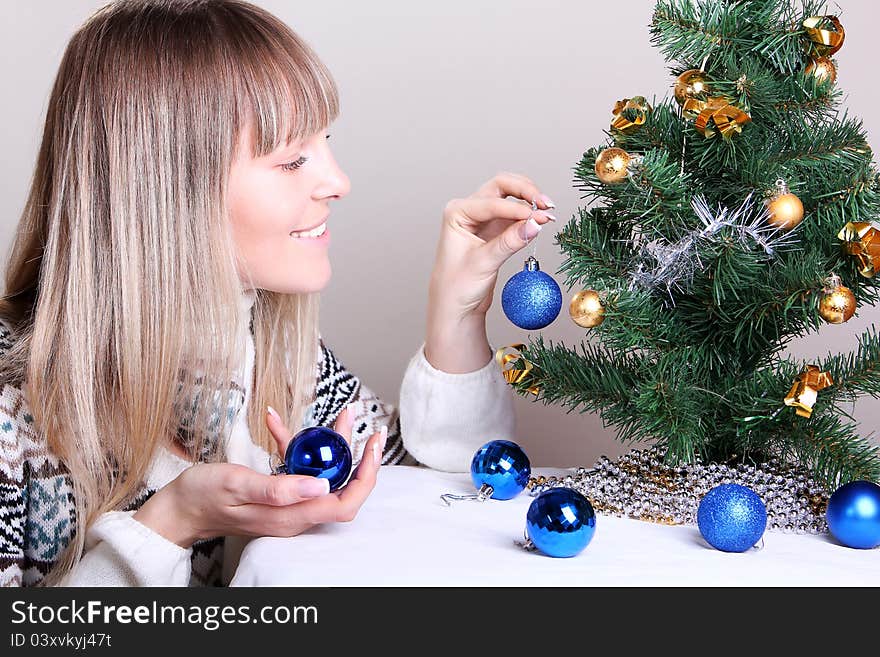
219 499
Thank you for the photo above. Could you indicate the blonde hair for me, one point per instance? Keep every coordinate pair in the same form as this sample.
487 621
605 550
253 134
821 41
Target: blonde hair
121 287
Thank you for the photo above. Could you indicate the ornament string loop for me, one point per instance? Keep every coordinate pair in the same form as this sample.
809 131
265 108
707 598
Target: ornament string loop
482 495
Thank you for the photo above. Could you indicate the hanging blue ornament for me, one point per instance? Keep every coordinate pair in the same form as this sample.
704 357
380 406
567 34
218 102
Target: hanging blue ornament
500 469
560 522
853 514
319 452
531 299
732 518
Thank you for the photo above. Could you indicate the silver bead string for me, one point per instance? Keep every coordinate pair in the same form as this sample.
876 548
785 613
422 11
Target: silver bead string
639 485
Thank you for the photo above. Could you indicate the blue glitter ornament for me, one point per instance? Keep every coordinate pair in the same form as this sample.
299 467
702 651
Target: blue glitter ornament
853 514
531 299
319 452
732 518
560 522
503 466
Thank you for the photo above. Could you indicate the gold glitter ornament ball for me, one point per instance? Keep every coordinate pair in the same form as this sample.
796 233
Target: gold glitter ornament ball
691 84
837 305
786 211
611 165
586 309
823 69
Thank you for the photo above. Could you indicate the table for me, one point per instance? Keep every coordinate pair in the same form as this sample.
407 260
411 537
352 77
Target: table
404 535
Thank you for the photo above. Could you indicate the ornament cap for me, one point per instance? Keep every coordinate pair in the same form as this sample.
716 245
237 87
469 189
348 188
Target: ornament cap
532 264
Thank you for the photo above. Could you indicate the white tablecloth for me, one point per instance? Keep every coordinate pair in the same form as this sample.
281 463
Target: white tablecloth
405 536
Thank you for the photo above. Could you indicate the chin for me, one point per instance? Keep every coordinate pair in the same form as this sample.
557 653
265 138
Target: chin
310 283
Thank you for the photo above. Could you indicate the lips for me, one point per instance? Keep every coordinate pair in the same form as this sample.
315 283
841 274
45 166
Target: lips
308 228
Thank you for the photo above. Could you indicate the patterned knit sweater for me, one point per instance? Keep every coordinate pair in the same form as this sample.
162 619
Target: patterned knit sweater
442 419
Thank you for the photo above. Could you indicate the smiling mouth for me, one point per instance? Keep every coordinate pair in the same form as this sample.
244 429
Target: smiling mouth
317 231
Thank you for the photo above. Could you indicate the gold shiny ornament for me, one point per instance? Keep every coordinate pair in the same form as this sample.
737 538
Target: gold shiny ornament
785 209
838 303
716 114
513 374
823 69
586 309
862 240
805 389
629 114
612 165
826 33
691 85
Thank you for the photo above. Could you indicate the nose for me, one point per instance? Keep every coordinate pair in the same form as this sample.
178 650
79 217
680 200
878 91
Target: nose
335 184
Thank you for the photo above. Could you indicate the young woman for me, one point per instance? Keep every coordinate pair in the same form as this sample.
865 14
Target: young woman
162 300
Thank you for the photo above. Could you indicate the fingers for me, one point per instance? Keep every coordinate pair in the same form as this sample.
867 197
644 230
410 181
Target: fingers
344 424
484 209
525 224
514 238
517 185
278 430
251 487
344 505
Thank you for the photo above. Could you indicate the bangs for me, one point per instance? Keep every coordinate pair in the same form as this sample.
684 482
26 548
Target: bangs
284 89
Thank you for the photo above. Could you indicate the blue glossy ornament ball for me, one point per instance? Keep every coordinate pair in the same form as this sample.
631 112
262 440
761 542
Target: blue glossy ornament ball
853 514
560 522
531 299
504 466
732 518
319 452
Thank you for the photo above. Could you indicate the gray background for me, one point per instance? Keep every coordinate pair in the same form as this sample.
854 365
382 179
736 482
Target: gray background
436 98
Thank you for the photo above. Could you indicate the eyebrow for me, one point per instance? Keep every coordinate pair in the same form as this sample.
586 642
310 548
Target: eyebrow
289 149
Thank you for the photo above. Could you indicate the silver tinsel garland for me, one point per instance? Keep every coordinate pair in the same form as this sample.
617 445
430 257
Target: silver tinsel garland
639 485
672 265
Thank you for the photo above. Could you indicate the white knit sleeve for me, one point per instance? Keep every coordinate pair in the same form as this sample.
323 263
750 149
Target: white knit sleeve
445 417
121 551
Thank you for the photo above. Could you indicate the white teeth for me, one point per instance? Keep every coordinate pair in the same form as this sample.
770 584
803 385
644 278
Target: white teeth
314 232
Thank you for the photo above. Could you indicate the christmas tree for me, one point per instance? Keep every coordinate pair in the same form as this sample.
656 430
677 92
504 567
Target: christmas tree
724 221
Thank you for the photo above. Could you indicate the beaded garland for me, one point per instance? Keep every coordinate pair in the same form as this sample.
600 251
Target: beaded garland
639 485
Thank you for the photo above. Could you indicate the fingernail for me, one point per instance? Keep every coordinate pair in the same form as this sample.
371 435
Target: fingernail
529 229
550 216
377 454
273 412
547 201
313 487
384 436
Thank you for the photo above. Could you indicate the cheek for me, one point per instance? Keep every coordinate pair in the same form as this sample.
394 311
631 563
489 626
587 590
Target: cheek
262 217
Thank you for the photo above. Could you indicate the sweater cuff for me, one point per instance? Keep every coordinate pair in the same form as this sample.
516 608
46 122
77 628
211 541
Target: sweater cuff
487 371
121 551
445 417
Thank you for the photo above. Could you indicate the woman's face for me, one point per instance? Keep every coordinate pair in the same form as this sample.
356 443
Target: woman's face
272 200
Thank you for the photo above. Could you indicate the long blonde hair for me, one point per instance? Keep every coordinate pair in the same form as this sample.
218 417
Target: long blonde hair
122 286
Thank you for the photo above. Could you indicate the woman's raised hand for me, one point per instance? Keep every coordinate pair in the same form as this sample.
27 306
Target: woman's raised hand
219 499
478 235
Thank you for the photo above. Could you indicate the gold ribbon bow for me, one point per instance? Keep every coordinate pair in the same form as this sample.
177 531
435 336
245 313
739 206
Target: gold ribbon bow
862 240
728 119
513 374
804 391
639 105
825 41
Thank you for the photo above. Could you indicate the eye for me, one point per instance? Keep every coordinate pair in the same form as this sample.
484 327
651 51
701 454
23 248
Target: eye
328 136
296 164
